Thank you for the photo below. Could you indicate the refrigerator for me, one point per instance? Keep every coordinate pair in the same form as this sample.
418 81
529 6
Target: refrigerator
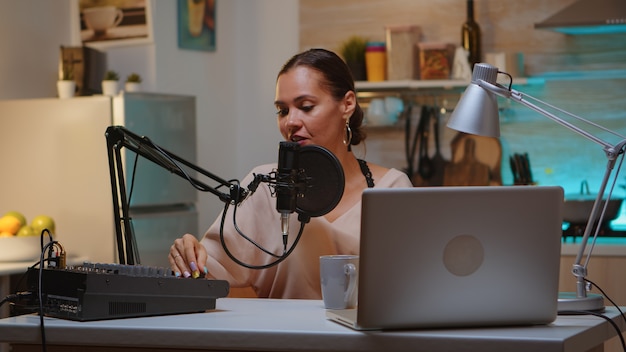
162 204
54 161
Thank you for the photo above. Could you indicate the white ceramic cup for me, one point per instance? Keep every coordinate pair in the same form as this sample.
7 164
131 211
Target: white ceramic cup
101 18
339 279
376 113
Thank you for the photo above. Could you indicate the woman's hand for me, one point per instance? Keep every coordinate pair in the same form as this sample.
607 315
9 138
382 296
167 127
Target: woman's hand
186 254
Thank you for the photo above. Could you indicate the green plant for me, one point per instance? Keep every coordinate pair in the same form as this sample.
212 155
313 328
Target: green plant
68 73
133 77
353 49
111 76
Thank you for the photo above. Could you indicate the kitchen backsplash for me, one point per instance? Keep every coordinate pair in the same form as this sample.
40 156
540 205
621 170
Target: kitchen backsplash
506 26
584 75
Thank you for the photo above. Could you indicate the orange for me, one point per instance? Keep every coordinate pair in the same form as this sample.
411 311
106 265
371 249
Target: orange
10 224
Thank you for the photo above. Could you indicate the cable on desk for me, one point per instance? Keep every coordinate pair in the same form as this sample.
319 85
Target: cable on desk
600 315
607 297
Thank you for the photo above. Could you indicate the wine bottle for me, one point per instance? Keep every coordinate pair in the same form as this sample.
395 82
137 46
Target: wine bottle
470 36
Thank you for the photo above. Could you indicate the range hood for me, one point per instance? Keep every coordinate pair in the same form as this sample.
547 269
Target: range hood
588 17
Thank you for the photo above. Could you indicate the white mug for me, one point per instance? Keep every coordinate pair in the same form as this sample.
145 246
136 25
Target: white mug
376 113
101 18
339 280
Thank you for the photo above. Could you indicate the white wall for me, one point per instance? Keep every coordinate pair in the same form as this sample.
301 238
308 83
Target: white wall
31 32
234 85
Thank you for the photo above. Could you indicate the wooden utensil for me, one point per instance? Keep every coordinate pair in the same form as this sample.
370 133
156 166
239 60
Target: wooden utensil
469 171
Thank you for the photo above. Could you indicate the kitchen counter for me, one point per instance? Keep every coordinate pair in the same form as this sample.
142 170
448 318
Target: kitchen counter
605 246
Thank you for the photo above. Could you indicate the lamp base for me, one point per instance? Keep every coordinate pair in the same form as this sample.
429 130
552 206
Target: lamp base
570 303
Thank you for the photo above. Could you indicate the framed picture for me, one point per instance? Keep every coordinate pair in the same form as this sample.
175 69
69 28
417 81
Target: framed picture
104 23
196 24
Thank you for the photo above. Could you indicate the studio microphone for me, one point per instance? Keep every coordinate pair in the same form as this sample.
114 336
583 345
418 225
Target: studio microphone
308 180
287 184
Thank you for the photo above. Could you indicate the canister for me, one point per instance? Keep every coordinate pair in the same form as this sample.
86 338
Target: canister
435 60
401 57
376 61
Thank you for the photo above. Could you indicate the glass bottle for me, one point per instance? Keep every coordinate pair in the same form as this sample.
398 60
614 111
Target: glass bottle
470 36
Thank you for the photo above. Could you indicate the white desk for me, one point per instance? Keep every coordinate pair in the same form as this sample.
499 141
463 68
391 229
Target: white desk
298 325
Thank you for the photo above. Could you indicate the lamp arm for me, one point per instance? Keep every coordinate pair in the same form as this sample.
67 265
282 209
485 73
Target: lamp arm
519 97
611 151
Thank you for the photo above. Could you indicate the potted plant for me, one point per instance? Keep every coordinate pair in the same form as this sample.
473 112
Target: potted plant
353 52
133 83
110 83
66 86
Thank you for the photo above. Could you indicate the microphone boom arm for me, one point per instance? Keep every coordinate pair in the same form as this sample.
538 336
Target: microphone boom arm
119 137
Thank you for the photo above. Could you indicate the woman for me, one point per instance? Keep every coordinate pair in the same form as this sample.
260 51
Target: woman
316 105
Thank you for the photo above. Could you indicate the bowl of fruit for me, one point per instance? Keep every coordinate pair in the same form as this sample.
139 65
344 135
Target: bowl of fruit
20 240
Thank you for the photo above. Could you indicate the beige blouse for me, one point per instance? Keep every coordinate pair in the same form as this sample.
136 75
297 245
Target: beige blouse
257 218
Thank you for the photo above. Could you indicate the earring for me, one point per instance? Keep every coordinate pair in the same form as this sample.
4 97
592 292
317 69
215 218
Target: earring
347 140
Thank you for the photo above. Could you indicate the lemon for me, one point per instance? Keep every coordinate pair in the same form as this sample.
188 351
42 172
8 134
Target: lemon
5 234
10 224
25 231
18 215
41 222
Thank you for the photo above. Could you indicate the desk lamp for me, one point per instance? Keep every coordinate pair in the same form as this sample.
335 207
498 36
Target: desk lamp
477 113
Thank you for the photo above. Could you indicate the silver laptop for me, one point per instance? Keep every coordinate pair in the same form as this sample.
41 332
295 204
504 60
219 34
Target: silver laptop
457 257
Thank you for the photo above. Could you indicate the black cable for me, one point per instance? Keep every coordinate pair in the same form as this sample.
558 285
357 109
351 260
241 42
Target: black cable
23 276
600 315
607 297
250 266
163 154
40 290
597 314
237 201
12 298
266 251
132 178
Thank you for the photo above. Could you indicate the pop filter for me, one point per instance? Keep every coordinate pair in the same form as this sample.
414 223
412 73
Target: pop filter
325 181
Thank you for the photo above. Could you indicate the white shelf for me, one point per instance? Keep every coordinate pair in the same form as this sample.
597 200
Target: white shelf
407 85
410 84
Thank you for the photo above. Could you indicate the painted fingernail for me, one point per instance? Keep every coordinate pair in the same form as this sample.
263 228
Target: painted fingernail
186 274
194 270
206 271
177 274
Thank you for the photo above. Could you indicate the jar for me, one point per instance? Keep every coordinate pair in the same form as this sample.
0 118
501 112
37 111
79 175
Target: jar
376 61
401 51
435 60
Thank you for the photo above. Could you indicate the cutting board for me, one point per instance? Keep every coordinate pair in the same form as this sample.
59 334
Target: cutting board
468 171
